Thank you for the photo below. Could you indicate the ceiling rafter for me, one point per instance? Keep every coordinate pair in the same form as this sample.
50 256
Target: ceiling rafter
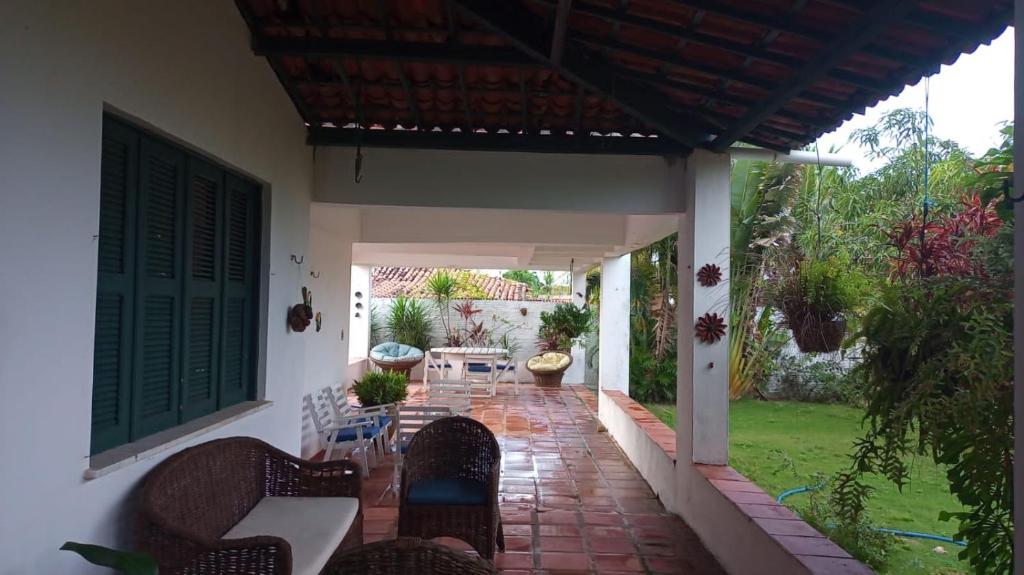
520 29
738 48
410 101
550 143
860 31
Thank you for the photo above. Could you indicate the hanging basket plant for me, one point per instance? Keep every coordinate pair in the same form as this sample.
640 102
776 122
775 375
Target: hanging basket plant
815 301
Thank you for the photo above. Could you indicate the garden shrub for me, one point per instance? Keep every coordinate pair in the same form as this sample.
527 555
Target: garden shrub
381 387
856 535
828 381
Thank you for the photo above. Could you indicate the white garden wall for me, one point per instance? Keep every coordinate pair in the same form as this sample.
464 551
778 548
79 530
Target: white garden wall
184 69
525 332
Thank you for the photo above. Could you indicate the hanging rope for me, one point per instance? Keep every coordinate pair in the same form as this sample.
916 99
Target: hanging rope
927 169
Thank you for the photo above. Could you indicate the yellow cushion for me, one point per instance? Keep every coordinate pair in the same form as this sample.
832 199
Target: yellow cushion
548 362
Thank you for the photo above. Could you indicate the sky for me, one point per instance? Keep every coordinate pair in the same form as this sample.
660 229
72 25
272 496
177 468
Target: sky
968 101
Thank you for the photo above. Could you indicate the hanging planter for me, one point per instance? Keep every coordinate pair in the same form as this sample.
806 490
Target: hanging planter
815 301
816 335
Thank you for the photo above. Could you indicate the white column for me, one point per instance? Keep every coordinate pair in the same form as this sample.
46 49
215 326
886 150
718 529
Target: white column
702 405
359 314
613 356
1018 299
577 371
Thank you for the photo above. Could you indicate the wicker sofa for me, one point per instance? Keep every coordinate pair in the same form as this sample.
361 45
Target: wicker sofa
239 505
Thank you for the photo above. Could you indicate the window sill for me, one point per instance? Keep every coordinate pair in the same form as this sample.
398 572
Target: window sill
113 459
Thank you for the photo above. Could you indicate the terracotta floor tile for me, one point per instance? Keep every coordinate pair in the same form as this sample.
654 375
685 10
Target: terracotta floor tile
569 500
565 561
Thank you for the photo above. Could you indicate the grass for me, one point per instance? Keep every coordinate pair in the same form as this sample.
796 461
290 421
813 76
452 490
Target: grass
780 445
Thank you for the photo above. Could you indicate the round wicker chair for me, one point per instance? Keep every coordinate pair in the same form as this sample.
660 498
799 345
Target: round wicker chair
548 368
391 356
407 555
449 485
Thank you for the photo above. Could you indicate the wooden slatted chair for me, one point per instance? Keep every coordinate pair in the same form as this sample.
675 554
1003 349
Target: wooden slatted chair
382 416
349 434
434 368
452 393
489 365
412 418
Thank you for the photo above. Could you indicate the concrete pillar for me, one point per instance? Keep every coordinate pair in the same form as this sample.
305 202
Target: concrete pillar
702 405
613 356
359 314
576 373
1018 299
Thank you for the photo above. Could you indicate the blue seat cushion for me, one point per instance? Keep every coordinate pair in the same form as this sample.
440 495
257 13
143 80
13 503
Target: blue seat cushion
391 351
369 432
485 368
384 420
447 492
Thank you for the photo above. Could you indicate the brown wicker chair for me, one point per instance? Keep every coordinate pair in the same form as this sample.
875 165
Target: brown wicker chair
408 555
191 499
450 485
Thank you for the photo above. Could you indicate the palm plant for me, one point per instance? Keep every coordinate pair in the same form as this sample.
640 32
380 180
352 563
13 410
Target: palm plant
443 286
408 322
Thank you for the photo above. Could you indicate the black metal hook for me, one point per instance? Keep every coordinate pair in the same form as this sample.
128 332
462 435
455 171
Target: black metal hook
315 275
298 259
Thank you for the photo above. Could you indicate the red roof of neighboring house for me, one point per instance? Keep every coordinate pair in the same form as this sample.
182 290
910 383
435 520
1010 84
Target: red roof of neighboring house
390 282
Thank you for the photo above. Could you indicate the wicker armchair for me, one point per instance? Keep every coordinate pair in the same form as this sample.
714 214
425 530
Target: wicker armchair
408 555
191 499
450 485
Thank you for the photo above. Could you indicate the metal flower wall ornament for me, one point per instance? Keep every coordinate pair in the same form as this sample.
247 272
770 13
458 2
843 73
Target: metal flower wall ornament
710 328
709 275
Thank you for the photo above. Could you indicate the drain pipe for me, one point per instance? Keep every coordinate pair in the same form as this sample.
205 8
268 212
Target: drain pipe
791 157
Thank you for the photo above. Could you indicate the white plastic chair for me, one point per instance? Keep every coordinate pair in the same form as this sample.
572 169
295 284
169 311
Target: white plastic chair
347 434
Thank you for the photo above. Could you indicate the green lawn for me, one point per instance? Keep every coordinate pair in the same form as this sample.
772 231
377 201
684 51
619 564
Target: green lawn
779 445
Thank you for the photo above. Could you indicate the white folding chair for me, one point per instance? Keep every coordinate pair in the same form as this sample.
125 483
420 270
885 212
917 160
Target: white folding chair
346 435
477 366
480 370
380 415
438 365
452 393
412 418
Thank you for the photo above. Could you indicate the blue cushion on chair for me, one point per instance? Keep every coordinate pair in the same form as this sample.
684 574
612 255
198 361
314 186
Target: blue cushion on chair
447 492
384 420
486 368
369 432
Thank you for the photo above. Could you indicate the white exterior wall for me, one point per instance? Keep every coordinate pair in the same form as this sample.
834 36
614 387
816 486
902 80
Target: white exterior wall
332 233
359 326
185 69
576 374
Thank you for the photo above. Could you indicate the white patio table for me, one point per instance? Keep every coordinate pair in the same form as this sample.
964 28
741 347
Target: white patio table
459 354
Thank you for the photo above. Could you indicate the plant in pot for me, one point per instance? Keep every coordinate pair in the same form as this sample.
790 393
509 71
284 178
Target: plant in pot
816 300
563 326
381 388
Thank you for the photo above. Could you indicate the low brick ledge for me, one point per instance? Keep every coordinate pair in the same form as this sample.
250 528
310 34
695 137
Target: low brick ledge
815 551
656 429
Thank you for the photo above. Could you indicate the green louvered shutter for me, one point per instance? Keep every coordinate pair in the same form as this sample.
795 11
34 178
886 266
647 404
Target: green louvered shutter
158 309
115 287
242 216
203 288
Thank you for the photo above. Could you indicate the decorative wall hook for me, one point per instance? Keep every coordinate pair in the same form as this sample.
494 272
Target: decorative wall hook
709 275
298 259
315 275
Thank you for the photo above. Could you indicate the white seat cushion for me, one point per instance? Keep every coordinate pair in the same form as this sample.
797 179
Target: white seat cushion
314 526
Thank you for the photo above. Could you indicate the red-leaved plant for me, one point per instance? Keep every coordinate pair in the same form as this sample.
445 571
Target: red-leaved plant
949 242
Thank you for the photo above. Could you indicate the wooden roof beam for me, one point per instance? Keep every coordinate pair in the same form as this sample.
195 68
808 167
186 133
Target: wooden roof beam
882 14
520 27
309 47
551 143
561 30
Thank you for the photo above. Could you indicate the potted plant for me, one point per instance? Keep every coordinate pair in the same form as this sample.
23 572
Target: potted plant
562 327
816 299
381 388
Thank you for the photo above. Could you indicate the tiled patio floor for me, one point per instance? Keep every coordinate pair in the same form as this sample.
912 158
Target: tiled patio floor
570 500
